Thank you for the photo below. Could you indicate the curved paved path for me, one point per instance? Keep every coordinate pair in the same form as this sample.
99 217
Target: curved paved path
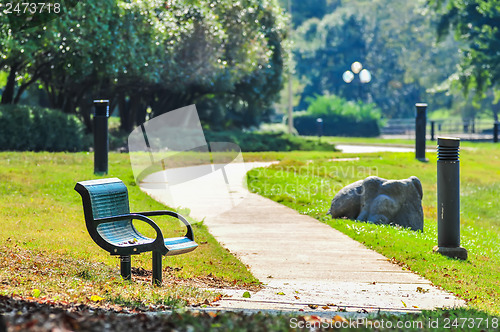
304 263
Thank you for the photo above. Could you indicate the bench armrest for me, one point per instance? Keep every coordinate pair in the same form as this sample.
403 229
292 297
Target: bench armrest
159 234
189 233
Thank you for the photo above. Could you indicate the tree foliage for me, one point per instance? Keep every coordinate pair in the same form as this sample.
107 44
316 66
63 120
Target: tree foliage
395 41
325 49
477 23
156 55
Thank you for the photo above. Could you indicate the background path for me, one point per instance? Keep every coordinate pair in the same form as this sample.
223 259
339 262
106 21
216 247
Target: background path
348 148
306 265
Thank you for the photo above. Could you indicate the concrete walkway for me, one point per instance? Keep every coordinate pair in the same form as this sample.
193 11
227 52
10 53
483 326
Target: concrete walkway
351 148
305 265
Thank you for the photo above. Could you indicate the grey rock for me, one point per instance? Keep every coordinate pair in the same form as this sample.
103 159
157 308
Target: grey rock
380 201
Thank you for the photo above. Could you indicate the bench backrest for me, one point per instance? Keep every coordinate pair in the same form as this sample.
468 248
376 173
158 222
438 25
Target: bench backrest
106 198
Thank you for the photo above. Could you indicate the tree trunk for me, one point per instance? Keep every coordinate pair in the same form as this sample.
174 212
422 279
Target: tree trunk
134 103
140 117
166 102
38 73
85 110
123 107
8 92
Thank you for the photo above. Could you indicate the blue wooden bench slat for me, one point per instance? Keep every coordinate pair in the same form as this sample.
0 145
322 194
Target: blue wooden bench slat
110 224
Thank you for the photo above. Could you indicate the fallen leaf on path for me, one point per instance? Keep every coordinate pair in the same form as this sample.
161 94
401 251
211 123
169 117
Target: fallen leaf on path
96 298
36 293
312 306
421 290
313 320
246 295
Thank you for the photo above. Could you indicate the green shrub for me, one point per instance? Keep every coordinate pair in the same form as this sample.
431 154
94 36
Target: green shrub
28 128
256 142
340 118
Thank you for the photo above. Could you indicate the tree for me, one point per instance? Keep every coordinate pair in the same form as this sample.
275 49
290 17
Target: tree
17 53
302 10
21 38
395 41
162 54
68 56
325 49
477 23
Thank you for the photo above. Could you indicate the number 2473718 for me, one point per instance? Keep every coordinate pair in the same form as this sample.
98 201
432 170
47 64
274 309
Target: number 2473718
31 8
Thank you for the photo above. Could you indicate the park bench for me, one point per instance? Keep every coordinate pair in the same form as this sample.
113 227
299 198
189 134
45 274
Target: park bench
109 223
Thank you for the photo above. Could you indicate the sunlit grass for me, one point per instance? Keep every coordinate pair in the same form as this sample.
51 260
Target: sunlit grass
42 216
408 141
308 185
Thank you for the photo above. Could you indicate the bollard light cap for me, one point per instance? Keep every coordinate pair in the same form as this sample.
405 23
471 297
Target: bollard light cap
421 108
101 108
449 141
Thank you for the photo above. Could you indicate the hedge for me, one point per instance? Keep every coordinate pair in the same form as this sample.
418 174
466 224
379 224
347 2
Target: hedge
29 128
340 117
337 126
256 142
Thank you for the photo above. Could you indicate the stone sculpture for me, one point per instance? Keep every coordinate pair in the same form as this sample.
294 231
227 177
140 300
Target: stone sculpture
380 201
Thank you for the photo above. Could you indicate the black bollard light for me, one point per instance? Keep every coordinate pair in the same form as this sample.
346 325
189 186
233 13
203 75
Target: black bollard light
448 199
101 114
433 123
495 132
420 123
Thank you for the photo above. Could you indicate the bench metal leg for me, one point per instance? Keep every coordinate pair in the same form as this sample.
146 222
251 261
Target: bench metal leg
157 270
126 267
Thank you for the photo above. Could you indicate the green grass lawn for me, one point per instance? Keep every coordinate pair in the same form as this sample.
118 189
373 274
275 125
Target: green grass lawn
368 140
45 246
308 181
403 142
46 254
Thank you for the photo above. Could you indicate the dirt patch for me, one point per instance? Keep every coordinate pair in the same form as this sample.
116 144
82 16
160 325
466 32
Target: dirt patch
208 281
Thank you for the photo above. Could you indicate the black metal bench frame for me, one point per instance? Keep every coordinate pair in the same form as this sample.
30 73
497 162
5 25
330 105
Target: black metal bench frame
105 202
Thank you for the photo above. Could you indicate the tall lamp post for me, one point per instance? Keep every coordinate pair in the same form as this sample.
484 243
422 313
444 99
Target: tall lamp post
319 124
357 69
290 92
